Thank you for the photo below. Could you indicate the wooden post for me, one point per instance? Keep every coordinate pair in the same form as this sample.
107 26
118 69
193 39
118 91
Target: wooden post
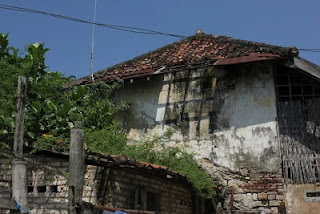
76 168
19 168
19 125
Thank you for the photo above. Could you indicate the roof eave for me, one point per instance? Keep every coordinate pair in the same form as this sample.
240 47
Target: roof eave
306 66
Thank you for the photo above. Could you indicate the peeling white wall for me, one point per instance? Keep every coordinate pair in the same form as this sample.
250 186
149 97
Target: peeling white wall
242 98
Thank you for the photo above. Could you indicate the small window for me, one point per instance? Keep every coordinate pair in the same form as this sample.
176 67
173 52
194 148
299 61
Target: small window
312 196
30 188
153 201
53 188
147 201
139 200
41 189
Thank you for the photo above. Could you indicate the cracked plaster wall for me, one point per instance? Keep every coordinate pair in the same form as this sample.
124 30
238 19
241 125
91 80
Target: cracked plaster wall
232 123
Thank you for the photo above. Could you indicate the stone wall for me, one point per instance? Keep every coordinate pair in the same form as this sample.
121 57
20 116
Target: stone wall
48 189
5 181
251 193
121 186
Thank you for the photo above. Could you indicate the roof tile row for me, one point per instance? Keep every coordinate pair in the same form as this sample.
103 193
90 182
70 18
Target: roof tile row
193 49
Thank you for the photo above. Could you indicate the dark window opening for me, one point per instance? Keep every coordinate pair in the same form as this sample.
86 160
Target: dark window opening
139 204
147 201
131 199
313 194
41 189
153 201
54 188
293 85
30 188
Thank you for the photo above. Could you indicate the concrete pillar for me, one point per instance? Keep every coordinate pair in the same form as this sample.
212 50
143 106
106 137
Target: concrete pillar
19 183
76 167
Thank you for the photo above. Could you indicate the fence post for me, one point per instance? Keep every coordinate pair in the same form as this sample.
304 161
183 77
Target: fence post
19 123
18 167
76 168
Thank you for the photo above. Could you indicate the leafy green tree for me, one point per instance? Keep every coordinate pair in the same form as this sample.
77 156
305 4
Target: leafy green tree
51 110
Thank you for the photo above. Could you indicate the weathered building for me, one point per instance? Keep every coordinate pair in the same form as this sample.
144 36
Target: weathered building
247 110
110 182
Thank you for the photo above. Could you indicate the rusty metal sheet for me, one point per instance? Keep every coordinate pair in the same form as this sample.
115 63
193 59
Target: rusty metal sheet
253 57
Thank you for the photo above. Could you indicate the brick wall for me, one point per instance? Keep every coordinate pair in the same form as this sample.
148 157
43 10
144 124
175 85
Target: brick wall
48 191
264 192
5 181
120 187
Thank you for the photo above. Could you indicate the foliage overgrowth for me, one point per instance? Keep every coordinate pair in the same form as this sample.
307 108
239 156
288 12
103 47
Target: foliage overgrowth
156 151
51 112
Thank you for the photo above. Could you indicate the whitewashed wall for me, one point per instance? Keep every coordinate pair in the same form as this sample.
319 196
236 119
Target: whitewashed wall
241 98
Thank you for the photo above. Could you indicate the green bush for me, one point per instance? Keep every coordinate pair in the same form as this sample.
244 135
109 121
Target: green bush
155 151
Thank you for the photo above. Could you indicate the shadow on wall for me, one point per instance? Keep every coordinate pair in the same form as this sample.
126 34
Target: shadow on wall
142 97
235 96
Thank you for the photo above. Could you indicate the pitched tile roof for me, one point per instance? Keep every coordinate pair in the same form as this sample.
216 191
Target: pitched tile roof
193 49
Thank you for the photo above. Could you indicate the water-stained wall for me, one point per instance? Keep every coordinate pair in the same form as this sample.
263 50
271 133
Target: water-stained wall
303 198
227 114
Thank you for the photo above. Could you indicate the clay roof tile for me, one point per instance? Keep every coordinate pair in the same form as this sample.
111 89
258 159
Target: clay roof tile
196 48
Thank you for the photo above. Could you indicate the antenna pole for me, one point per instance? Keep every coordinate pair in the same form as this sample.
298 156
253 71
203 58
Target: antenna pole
92 41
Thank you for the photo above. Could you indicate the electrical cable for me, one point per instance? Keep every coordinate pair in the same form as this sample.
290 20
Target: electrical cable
115 27
314 50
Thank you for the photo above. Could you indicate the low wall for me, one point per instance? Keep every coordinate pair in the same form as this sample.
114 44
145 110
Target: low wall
119 188
297 201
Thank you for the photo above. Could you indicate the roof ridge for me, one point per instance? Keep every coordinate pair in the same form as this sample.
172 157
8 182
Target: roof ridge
246 41
226 47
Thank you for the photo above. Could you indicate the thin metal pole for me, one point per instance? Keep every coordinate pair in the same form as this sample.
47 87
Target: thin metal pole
92 41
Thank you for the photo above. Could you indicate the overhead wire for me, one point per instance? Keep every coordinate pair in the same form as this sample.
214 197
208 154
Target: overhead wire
111 26
115 27
315 50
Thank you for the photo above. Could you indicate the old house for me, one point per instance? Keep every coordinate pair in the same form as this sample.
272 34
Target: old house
110 183
247 110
